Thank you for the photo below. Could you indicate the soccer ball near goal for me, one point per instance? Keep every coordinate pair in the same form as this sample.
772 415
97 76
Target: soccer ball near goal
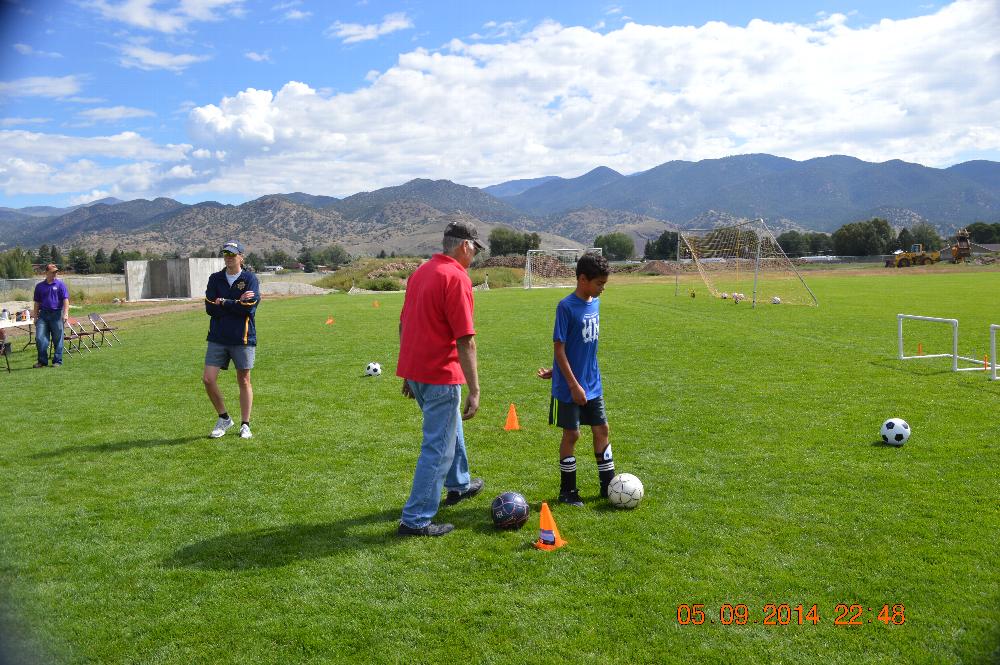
509 510
895 431
373 369
775 300
625 491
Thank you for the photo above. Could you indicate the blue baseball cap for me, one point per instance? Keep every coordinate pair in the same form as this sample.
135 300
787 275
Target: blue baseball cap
233 247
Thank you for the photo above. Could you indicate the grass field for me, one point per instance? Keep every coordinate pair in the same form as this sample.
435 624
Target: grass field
126 535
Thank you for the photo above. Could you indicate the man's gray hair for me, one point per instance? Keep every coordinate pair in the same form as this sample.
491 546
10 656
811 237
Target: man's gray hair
451 243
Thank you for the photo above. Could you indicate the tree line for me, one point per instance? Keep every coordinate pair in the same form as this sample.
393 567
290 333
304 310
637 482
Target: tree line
17 262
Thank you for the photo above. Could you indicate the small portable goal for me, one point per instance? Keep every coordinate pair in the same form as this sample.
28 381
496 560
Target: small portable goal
954 355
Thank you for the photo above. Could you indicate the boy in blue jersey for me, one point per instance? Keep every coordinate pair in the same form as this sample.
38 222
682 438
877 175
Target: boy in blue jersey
577 393
231 299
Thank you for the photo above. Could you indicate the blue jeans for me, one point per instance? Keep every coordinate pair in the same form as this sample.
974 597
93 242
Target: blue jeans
50 322
443 461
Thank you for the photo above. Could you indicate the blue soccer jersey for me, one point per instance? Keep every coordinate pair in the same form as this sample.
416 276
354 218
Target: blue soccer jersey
578 325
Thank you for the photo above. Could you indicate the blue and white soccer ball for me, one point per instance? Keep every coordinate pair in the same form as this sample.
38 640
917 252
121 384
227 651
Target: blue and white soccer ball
373 369
625 491
895 431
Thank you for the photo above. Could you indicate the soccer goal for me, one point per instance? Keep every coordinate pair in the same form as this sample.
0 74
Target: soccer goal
553 267
978 364
993 351
744 259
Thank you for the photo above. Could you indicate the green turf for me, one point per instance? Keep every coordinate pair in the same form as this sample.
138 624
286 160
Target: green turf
128 536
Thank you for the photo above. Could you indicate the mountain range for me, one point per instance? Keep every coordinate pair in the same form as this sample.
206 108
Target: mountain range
818 194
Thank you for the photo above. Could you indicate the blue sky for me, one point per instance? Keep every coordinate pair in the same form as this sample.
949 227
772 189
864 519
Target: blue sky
232 99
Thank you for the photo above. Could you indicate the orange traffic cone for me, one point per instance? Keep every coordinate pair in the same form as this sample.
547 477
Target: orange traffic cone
376 304
329 321
511 423
920 349
986 361
548 533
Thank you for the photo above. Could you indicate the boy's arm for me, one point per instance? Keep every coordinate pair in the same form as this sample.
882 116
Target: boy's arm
575 389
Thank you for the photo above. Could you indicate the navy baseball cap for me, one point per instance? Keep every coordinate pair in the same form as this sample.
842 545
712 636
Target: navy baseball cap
233 247
465 231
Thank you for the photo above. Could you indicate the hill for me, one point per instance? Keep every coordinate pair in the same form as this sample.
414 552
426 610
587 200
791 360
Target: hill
818 194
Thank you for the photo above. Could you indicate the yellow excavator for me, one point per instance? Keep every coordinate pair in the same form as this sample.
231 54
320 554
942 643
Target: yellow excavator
961 250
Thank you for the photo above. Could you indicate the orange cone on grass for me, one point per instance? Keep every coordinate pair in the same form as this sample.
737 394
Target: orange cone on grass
376 304
548 534
329 321
512 423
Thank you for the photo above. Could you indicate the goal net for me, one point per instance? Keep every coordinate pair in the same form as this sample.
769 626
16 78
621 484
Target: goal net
744 260
552 267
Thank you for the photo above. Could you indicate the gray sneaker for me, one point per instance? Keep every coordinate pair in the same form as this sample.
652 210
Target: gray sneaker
245 432
454 496
429 530
221 425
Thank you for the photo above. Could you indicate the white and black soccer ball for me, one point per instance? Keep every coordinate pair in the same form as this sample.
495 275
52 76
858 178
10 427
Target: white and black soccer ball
373 369
895 431
725 296
775 300
625 491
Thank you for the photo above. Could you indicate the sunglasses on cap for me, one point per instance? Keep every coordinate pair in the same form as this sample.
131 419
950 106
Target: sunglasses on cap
230 254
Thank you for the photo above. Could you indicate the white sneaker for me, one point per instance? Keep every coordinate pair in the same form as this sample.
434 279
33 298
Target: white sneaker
245 432
221 425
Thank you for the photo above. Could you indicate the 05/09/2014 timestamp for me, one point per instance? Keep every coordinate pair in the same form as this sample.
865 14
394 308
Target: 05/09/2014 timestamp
785 614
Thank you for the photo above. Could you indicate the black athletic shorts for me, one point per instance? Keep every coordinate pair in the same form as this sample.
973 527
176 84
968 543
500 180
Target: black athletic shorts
570 415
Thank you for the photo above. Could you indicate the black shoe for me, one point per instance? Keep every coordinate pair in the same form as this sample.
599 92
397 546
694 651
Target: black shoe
572 497
429 530
454 496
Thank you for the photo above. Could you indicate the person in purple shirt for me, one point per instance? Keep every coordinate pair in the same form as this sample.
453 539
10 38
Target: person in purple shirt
51 311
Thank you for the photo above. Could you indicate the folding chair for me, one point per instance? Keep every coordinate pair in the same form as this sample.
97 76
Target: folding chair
101 326
74 331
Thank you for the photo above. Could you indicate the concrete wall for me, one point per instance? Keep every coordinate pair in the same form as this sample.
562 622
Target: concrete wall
199 271
169 278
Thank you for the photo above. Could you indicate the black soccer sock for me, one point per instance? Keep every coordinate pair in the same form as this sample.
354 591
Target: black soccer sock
567 474
605 468
224 415
246 422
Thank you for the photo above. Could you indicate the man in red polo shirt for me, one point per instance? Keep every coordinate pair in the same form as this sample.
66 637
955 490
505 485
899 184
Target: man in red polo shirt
437 354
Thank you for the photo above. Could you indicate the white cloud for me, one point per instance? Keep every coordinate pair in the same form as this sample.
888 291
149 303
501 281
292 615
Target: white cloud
562 100
142 57
350 33
14 122
144 14
258 57
40 86
114 113
25 49
296 15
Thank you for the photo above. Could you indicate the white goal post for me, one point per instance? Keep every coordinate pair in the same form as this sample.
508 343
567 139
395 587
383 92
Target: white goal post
954 355
545 268
743 259
993 351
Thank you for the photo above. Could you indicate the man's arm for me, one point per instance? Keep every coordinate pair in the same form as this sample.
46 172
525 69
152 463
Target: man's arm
575 389
467 359
66 306
406 384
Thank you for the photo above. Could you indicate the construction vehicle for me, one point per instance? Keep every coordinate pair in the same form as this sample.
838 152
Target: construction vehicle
915 257
961 250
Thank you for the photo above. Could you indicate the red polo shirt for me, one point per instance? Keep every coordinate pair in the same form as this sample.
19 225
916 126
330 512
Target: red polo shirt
437 310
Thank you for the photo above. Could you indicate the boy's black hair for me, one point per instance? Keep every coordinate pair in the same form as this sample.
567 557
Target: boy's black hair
592 266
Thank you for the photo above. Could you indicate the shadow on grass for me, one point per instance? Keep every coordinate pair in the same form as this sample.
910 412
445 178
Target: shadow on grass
280 546
117 446
884 444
